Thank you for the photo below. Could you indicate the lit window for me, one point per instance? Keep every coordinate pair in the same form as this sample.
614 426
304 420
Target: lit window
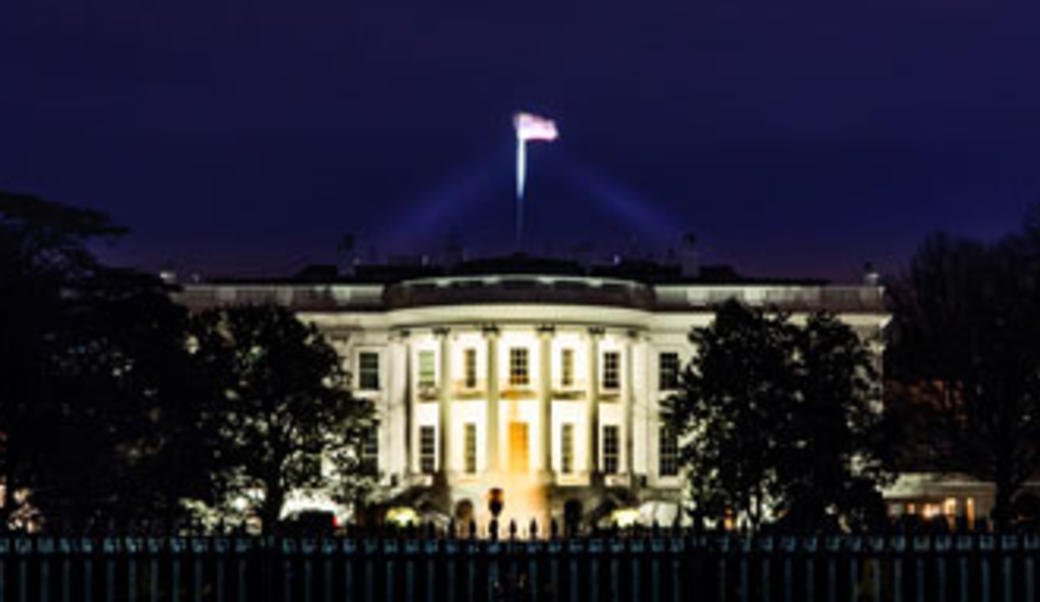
668 453
470 365
368 371
427 370
611 360
370 450
668 371
610 449
567 448
518 374
427 449
471 448
567 368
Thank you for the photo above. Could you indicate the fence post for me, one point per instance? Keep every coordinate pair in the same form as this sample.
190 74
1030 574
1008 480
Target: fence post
110 547
431 551
723 549
877 548
833 547
636 546
921 546
45 548
22 547
1030 545
532 548
942 546
472 549
154 546
677 548
788 545
243 545
389 551
810 545
288 549
371 548
898 544
986 548
451 550
616 548
1008 546
491 553
66 546
221 546
745 577
411 551
657 549
132 546
855 550
765 547
964 545
595 550
553 549
199 550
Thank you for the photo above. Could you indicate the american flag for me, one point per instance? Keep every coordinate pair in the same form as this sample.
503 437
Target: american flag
532 127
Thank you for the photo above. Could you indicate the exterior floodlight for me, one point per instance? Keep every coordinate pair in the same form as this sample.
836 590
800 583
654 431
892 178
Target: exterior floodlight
625 517
402 516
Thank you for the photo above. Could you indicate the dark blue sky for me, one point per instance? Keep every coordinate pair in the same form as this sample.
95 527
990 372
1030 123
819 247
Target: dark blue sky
796 138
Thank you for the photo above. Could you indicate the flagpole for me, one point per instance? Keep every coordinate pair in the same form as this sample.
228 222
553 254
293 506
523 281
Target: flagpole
521 168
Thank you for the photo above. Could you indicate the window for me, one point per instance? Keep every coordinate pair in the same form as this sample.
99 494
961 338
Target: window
470 366
668 453
668 371
370 450
518 374
368 371
567 368
610 449
471 448
567 448
427 370
427 449
611 378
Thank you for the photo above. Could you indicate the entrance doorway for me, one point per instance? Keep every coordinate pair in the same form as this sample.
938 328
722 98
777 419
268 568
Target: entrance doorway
519 451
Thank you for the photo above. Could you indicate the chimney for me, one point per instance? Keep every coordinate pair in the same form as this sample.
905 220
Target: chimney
689 258
871 277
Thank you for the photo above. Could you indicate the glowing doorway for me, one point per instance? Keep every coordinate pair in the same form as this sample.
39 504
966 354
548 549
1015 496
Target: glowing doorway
519 448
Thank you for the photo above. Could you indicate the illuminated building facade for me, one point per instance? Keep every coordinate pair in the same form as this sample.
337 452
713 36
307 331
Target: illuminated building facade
545 381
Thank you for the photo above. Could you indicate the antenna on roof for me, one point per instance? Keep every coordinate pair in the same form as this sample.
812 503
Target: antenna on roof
689 257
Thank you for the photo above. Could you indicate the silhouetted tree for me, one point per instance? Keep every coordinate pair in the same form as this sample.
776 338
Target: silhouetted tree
965 326
776 416
94 359
835 450
733 396
285 409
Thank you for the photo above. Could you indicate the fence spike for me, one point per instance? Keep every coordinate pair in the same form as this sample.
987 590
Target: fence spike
554 528
532 530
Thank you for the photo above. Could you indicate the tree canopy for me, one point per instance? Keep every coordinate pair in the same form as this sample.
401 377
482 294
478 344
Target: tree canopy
779 418
285 418
966 337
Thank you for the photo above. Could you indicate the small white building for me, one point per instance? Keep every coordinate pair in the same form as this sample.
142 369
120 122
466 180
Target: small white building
539 377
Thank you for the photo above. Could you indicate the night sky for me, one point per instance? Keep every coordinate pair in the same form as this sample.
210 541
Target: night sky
247 136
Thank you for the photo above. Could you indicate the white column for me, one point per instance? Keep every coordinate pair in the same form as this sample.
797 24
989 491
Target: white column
398 423
592 408
444 398
629 401
545 334
491 427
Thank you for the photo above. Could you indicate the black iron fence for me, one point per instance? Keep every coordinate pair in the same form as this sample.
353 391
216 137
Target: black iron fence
652 566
